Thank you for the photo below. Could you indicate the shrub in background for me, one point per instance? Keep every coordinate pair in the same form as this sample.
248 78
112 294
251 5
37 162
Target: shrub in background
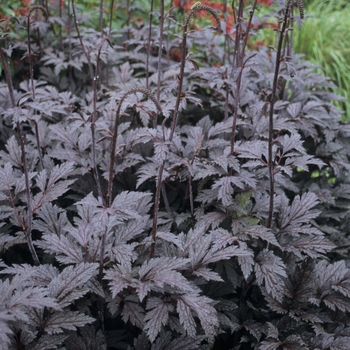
149 203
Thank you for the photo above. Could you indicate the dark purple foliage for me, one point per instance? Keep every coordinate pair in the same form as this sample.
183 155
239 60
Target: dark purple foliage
205 209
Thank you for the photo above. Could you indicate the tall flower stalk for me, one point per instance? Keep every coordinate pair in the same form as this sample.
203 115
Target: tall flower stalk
149 38
242 34
94 78
31 73
194 10
282 35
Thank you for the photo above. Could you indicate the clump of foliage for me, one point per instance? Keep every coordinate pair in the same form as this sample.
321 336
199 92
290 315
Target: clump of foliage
323 38
151 203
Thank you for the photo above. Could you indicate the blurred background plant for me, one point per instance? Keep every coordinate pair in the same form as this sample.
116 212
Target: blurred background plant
324 38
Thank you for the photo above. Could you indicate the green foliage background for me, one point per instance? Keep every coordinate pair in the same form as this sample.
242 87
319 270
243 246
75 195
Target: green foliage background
324 38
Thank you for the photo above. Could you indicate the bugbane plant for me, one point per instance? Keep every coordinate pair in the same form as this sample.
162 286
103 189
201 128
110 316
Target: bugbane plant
192 201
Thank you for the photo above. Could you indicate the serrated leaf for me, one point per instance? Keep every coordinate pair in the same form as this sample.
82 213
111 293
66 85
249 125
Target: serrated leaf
254 328
272 331
336 301
300 210
274 304
226 253
130 230
292 142
82 233
35 297
246 262
162 271
124 253
160 152
132 201
59 172
7 179
258 231
208 274
50 189
67 286
186 318
220 128
184 342
224 185
206 313
270 269
294 109
133 312
47 342
120 277
157 315
69 320
169 237
313 246
65 249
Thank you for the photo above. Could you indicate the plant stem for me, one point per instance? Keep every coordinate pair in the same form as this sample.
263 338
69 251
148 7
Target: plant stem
226 43
282 34
238 63
115 134
81 42
149 43
69 29
109 36
167 36
160 50
60 27
160 185
111 17
183 59
31 73
112 156
160 55
93 120
156 210
101 16
27 229
128 17
94 84
176 112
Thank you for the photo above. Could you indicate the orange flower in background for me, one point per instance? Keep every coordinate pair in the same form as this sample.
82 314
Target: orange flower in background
175 54
265 2
186 4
